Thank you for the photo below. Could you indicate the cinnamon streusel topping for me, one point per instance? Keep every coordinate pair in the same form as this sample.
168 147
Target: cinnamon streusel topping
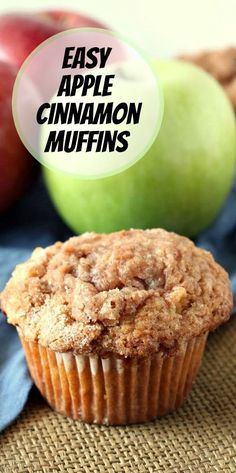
129 293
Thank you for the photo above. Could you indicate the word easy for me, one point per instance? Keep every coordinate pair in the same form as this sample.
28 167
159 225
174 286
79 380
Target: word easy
93 57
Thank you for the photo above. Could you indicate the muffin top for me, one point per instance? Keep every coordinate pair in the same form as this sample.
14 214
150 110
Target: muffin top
130 293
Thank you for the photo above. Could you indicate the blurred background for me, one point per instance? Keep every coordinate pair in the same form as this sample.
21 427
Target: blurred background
163 27
182 182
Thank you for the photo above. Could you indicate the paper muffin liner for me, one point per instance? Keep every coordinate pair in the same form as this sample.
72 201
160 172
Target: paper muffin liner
114 391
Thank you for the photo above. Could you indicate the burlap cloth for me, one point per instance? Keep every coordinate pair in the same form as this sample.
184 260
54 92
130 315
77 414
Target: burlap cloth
200 437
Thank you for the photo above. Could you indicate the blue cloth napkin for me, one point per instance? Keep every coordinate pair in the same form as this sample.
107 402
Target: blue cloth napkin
34 222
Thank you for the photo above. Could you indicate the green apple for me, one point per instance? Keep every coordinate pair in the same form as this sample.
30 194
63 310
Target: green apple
182 181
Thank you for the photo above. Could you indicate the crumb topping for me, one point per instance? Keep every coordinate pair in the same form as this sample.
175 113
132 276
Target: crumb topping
129 293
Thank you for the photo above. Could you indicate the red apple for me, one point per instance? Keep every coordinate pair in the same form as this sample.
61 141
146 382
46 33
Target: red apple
66 20
21 34
17 167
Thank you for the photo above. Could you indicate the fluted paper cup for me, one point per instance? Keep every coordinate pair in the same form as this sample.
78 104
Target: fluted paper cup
114 391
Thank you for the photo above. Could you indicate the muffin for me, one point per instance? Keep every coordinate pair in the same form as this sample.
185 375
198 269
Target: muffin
114 325
221 65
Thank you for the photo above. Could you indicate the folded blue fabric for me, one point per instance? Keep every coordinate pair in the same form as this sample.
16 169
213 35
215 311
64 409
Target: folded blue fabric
220 239
34 222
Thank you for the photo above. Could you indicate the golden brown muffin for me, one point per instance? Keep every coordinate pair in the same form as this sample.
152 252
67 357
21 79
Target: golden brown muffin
220 64
114 326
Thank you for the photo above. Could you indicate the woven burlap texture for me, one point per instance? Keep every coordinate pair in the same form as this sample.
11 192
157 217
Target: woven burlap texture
199 437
